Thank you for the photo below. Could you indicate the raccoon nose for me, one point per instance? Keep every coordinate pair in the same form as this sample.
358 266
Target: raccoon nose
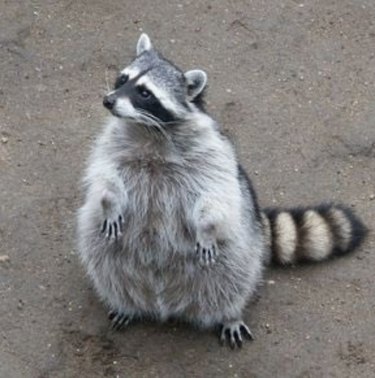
109 102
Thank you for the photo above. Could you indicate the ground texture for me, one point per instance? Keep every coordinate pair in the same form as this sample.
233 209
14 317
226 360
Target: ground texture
291 81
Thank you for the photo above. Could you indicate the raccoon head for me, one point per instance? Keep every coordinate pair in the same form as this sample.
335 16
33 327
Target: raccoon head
153 91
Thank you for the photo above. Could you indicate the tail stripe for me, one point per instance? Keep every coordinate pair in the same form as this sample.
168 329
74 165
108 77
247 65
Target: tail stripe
285 238
317 243
341 228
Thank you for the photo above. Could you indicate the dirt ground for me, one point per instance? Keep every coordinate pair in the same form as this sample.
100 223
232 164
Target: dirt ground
291 81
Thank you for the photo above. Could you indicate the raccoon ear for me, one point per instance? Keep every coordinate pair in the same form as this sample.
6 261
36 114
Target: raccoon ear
196 82
144 44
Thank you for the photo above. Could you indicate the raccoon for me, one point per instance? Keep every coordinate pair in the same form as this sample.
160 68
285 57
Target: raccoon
170 226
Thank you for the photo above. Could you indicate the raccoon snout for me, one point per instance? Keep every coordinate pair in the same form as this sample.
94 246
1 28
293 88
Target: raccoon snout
109 101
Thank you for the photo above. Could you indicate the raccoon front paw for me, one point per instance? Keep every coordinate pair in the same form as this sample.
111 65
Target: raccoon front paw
112 228
233 332
206 252
113 224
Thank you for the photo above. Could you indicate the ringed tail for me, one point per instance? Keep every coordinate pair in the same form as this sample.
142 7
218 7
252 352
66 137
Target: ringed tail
311 233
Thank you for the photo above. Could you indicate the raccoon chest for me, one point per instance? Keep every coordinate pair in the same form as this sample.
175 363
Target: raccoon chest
158 211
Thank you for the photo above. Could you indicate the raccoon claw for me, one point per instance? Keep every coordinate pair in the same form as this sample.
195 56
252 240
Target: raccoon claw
233 332
206 255
118 320
112 228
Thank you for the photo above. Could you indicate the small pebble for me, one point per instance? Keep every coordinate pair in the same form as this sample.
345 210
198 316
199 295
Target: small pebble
4 258
20 304
4 140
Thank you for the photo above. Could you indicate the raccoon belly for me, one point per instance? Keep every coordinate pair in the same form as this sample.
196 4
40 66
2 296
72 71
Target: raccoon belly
139 269
209 295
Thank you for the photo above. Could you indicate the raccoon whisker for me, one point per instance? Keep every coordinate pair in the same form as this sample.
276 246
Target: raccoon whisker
151 126
168 122
141 119
148 120
106 80
158 120
150 116
163 132
166 135
156 123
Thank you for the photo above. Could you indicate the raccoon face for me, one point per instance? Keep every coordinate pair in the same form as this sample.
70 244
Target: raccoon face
153 91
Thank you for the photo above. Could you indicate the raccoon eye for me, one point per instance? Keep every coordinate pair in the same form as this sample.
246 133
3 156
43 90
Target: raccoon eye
144 93
121 81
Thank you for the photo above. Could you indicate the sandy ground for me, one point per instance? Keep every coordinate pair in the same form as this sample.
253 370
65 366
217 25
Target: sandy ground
291 81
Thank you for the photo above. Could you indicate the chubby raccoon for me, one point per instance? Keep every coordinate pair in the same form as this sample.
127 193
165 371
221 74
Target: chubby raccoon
170 226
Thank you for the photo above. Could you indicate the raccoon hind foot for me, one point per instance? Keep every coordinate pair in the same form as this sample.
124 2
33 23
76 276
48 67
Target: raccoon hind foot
119 319
233 332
